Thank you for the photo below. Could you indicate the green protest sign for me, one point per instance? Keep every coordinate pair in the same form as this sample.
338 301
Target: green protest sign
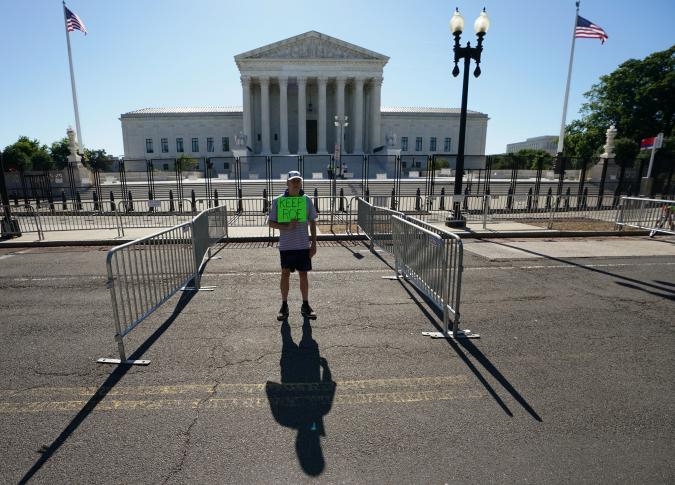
291 209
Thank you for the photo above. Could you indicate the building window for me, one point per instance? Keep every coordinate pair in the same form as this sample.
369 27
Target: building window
418 144
432 144
179 145
404 143
165 145
447 145
209 144
148 146
195 145
226 143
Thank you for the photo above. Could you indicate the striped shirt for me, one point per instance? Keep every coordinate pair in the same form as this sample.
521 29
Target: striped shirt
297 238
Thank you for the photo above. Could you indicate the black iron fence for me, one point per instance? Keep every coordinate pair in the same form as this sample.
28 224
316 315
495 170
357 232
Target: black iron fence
209 179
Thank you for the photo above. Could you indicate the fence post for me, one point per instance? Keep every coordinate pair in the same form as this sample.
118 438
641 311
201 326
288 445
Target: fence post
442 206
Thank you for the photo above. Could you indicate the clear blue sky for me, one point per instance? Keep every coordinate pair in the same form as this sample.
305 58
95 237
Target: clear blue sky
166 53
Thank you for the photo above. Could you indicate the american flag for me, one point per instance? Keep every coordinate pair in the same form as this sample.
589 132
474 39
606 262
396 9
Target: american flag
586 29
73 22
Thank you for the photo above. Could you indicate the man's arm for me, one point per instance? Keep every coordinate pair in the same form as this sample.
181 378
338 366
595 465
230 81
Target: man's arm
282 226
312 232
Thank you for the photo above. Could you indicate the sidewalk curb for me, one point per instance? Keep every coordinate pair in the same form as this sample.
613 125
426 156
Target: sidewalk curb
341 237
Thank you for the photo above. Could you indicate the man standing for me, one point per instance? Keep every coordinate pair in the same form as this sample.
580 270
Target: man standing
296 248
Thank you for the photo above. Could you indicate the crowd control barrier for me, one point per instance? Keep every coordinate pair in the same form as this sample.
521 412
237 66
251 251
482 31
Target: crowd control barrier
427 256
145 273
654 215
432 260
376 224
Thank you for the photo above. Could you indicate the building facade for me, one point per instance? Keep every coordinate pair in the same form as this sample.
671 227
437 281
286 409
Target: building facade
547 143
292 93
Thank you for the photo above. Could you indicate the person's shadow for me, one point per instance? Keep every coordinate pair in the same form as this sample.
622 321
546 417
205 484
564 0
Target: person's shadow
304 396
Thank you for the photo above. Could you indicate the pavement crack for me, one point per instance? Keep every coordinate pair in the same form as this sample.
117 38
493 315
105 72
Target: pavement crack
178 467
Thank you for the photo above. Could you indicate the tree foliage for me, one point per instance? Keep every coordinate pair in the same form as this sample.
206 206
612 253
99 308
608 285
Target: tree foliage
638 98
96 159
60 152
527 159
186 163
26 154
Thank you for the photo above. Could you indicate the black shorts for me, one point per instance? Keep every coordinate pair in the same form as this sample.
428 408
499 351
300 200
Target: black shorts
296 259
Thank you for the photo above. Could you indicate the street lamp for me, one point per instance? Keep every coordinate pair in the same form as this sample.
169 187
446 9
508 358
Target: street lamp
340 122
480 26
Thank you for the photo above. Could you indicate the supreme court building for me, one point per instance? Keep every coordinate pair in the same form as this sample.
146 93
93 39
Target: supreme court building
292 90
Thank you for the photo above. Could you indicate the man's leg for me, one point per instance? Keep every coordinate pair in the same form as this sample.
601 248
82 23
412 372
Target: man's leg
304 285
304 290
283 286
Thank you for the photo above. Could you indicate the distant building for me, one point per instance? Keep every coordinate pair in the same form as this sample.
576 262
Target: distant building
291 91
547 143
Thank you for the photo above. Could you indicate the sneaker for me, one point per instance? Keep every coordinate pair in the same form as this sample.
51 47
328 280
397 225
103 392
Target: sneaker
283 313
307 311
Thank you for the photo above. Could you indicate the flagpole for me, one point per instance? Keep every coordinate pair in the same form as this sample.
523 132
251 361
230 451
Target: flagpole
561 138
72 81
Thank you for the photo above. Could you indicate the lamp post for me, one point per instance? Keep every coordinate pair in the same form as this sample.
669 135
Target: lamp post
340 122
480 26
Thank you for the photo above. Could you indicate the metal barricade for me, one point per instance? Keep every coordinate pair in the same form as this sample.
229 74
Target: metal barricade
24 219
145 273
376 223
432 260
654 215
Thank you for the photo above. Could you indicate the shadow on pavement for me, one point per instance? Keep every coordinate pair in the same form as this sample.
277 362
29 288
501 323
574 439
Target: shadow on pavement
112 380
475 352
304 396
627 282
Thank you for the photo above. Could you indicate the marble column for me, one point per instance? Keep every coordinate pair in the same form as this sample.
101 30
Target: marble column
283 114
302 115
246 105
358 116
340 110
375 113
322 116
265 114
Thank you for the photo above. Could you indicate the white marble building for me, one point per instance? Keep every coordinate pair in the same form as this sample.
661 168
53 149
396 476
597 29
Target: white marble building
548 143
292 91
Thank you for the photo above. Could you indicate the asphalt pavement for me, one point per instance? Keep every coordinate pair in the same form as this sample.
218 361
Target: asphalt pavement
571 380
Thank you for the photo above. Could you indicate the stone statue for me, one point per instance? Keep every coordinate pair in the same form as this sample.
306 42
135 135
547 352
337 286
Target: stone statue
73 147
609 145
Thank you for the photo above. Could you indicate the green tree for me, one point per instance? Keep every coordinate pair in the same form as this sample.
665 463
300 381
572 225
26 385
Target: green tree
96 159
42 160
60 152
529 159
638 98
26 154
186 163
625 151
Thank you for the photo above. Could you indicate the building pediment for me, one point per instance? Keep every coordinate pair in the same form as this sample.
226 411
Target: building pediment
311 45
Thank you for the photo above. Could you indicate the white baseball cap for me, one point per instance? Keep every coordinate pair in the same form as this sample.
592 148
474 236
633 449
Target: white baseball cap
294 174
